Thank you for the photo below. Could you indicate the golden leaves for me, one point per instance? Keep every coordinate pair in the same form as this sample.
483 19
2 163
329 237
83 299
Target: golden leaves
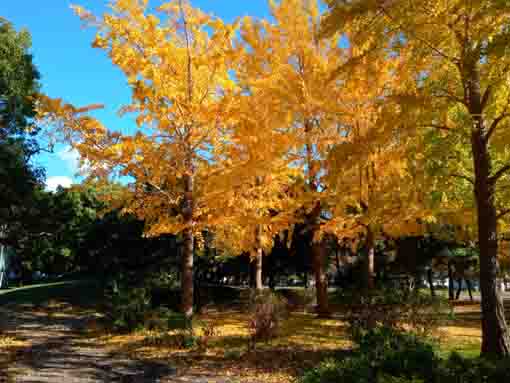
267 122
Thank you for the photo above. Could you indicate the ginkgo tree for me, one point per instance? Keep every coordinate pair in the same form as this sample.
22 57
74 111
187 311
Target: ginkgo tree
455 81
373 188
289 68
183 97
252 188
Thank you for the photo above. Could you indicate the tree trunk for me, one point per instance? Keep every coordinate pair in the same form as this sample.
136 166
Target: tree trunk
321 282
369 264
451 294
313 221
495 336
431 282
258 260
258 270
187 254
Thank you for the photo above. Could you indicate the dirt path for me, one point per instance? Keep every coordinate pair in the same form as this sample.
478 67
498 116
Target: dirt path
58 351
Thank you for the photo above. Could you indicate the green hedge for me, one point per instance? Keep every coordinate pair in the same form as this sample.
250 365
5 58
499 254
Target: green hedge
391 356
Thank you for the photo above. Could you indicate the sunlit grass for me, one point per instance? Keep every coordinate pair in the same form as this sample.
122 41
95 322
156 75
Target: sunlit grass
464 340
302 342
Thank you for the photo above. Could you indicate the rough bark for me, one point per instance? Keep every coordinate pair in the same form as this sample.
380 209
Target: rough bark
321 281
258 270
187 253
495 336
259 252
313 222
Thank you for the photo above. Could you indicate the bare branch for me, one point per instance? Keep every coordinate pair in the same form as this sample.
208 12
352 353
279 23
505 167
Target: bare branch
502 213
495 124
500 173
487 94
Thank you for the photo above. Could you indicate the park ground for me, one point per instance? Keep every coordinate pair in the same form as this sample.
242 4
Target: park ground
53 332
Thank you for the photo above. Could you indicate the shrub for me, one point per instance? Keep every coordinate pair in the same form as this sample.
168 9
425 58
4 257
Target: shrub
349 370
396 309
128 306
267 312
457 369
386 355
398 353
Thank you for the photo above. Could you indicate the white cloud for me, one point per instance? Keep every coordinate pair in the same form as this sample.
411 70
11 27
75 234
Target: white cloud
72 159
52 183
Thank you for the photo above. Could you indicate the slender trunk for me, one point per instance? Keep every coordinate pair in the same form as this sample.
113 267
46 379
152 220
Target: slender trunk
321 281
431 282
495 336
258 269
321 285
369 265
259 253
187 254
450 282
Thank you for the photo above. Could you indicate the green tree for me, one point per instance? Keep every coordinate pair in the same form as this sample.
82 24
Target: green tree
19 85
19 81
454 80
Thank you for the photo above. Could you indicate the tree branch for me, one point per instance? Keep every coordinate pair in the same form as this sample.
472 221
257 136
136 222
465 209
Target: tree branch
500 173
487 94
502 213
495 124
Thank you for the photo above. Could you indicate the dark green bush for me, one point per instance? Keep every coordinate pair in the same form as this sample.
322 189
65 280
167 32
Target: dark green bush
387 355
127 306
457 369
395 309
398 353
130 308
349 370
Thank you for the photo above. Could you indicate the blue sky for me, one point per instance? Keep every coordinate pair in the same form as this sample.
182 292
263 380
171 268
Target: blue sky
74 71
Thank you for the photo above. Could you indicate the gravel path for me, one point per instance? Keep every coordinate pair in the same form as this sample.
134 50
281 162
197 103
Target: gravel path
60 353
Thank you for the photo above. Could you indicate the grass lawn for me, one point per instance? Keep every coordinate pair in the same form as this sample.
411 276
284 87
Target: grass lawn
85 293
304 340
